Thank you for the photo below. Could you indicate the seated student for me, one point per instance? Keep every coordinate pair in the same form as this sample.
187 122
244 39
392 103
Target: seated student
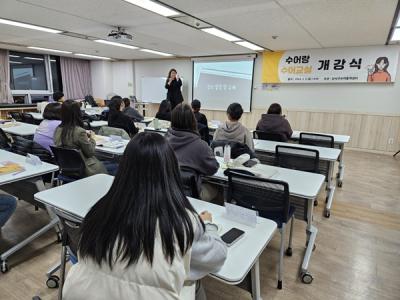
274 122
71 134
232 130
201 118
164 111
51 119
7 207
116 118
131 112
184 138
58 97
143 239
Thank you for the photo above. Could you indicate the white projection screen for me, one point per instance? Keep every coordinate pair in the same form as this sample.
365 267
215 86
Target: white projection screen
220 82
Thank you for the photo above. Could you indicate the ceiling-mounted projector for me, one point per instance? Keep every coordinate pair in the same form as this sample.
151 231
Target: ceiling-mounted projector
119 34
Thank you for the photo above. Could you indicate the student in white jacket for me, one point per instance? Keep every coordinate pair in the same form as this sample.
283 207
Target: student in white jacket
143 239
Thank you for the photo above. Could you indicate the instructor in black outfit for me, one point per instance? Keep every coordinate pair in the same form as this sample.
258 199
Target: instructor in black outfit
173 85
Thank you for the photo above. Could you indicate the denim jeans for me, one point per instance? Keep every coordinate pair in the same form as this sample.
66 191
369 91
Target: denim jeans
7 207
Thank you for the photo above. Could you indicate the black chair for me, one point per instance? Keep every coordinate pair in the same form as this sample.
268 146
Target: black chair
269 136
70 162
316 139
297 158
28 118
189 178
17 116
5 142
237 149
270 198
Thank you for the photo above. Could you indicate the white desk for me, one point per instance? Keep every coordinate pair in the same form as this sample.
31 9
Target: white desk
329 155
304 187
161 131
76 199
91 111
114 151
36 115
19 128
339 141
97 124
30 172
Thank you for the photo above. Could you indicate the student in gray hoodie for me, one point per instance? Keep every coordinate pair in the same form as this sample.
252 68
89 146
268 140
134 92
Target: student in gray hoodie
232 129
189 148
274 122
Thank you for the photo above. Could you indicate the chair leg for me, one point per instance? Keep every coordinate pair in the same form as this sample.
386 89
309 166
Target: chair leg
396 153
289 250
62 270
280 269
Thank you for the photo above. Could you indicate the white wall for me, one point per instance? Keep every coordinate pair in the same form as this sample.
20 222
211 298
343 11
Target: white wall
160 68
102 82
123 78
349 97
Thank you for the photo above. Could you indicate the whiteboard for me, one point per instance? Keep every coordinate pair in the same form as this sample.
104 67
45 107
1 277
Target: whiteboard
153 89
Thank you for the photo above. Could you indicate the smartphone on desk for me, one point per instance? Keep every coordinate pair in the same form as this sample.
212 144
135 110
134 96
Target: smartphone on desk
232 236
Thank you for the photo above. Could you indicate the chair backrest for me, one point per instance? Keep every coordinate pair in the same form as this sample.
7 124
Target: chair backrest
28 118
70 231
297 158
269 136
189 178
17 116
21 145
267 196
70 161
108 130
237 149
5 142
316 139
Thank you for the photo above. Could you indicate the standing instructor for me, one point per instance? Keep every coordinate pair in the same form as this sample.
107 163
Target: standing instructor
173 85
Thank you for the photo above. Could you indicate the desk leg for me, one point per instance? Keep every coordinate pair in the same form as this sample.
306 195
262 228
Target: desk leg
255 281
53 223
331 190
340 174
311 231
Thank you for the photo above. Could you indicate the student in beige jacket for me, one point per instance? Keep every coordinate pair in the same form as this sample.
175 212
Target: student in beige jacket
232 130
143 239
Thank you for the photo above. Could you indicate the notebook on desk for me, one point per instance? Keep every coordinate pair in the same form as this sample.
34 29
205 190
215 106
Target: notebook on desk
9 167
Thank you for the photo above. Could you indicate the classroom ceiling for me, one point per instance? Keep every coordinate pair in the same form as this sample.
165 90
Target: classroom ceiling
298 24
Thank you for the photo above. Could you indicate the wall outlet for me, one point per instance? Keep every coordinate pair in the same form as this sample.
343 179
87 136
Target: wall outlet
390 141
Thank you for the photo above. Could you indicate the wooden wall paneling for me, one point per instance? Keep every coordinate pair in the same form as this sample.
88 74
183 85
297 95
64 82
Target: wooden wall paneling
369 131
394 132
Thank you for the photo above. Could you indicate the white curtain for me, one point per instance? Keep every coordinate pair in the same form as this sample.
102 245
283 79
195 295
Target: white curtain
76 78
5 91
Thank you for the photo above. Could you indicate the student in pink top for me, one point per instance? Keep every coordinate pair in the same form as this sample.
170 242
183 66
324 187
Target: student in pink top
379 73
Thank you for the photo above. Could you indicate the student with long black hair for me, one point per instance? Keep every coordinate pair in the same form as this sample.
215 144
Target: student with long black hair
143 239
173 84
71 134
116 117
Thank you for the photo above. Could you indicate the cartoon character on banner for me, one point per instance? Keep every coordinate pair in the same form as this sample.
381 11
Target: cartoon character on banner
378 72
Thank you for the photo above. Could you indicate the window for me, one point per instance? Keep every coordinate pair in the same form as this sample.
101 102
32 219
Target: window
56 73
28 71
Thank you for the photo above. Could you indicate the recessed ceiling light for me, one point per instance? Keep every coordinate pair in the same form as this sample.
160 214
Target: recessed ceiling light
29 26
221 34
15 62
396 34
92 56
13 55
33 58
116 44
250 46
154 7
53 60
156 52
50 50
